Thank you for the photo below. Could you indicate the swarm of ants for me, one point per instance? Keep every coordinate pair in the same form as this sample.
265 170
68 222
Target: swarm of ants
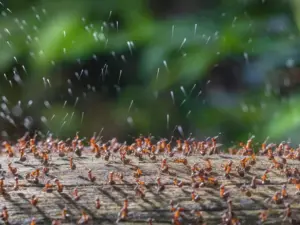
167 155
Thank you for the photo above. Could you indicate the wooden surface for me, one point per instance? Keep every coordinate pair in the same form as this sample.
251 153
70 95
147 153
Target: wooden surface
154 205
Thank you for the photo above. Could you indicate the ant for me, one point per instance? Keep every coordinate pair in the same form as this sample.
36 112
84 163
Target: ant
90 176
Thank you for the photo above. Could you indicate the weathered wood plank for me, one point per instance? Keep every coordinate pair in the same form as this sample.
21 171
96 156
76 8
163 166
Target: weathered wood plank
154 205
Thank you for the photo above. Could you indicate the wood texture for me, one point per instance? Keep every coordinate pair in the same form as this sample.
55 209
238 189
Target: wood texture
154 205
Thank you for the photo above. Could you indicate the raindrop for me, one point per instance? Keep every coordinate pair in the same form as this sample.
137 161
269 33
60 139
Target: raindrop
5 108
157 73
180 130
48 81
70 91
113 54
172 32
244 107
120 77
199 93
17 78
208 39
23 67
166 65
71 117
168 120
62 125
76 101
17 111
10 120
110 12
30 102
67 114
82 115
192 89
290 63
131 103
123 58
4 99
129 46
183 42
28 121
183 91
189 112
246 57
130 121
7 31
47 104
184 100
172 96
195 29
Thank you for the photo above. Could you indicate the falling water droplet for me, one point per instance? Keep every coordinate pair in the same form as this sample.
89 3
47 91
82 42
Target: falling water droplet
47 104
183 42
120 77
180 130
166 65
172 96
183 91
82 115
188 114
131 103
172 32
195 29
168 120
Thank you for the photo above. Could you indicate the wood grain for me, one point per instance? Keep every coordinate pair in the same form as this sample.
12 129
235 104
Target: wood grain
154 205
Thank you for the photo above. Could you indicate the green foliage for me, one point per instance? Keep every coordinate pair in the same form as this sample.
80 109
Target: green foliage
70 30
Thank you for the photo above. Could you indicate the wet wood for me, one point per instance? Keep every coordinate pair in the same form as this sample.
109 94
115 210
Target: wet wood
154 205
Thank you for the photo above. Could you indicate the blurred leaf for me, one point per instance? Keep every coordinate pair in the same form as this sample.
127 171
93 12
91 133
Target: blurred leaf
295 6
65 32
194 64
6 57
285 119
